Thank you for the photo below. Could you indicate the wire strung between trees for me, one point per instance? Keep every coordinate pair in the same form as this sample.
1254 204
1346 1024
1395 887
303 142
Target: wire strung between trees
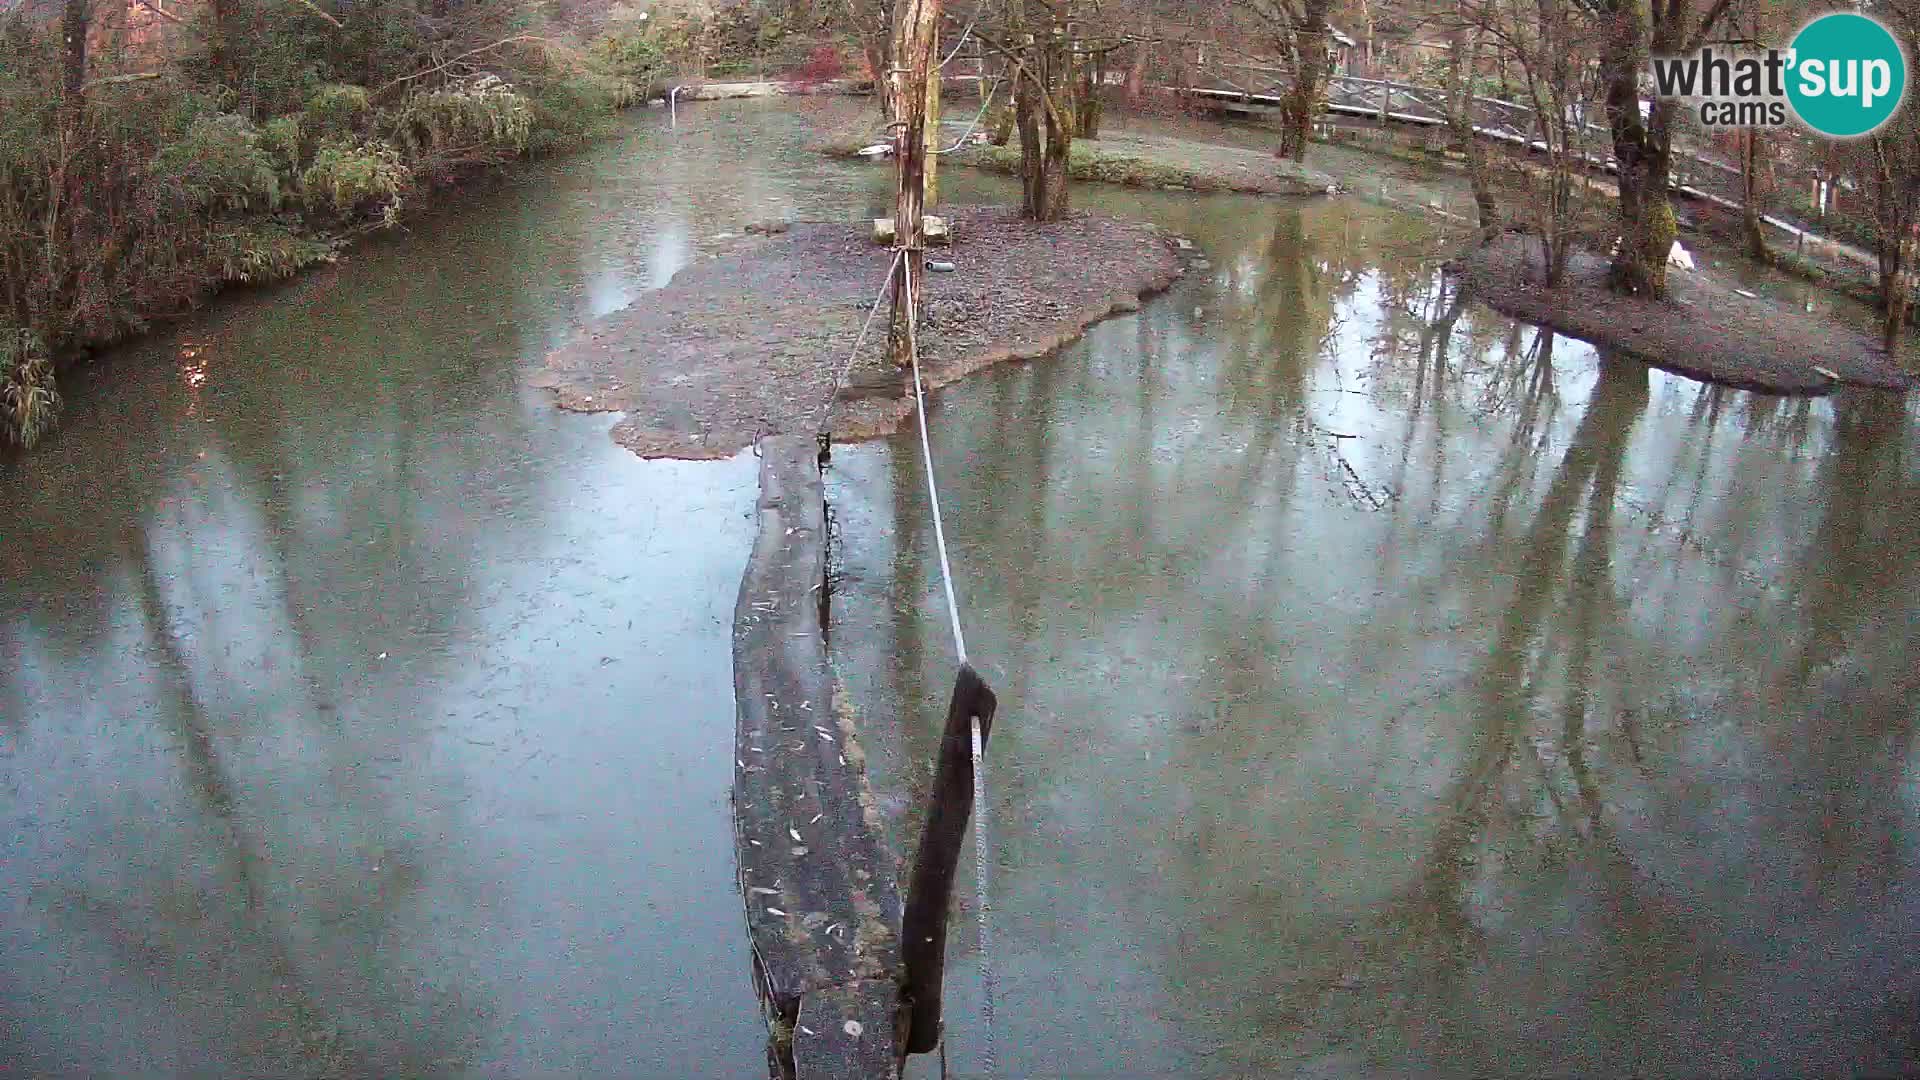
984 938
926 453
833 392
964 34
985 104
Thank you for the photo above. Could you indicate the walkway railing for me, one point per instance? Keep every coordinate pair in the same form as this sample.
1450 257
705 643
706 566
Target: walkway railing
1697 173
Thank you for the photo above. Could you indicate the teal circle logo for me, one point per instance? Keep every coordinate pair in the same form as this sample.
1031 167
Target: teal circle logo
1847 75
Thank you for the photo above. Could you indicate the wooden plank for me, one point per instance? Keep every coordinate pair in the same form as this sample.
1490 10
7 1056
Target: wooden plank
820 888
846 1032
930 892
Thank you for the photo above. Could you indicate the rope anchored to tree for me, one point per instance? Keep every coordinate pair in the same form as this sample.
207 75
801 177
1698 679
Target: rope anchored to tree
959 788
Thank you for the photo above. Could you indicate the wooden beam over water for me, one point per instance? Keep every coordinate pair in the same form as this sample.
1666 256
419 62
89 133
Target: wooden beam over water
820 887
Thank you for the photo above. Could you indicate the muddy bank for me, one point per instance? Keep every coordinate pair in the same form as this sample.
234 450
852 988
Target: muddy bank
749 343
1706 329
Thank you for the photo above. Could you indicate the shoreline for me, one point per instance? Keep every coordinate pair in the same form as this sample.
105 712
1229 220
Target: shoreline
750 342
1707 330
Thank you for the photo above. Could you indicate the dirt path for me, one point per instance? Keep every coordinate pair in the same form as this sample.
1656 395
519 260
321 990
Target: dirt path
1707 329
750 342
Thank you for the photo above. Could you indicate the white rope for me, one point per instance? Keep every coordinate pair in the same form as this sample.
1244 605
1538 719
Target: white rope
860 338
963 36
985 103
926 453
984 946
980 895
911 268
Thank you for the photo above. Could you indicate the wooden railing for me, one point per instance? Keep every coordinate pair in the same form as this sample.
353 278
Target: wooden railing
1697 173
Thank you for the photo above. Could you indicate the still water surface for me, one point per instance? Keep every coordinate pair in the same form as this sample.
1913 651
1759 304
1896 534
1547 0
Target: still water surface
1385 685
1388 688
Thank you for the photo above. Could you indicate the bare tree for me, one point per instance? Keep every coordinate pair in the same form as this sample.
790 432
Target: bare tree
1463 57
74 17
1892 170
1546 41
872 23
1631 32
1299 32
1045 57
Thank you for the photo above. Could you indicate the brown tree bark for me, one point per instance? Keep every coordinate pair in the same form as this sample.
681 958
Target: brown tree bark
930 183
875 24
1896 204
74 17
1091 71
1026 118
914 50
1137 74
1751 162
1643 147
1641 154
1309 79
1054 200
1056 118
1893 304
1460 126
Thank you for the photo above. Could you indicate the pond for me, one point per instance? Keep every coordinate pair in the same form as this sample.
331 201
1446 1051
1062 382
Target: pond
1384 685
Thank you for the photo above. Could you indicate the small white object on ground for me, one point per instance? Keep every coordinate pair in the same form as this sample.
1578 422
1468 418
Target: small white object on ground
1680 257
877 150
1745 293
941 267
1828 372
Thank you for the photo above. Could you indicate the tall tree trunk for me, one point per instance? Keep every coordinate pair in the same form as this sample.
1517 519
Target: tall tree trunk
1750 209
1086 120
1054 200
1056 113
1137 74
932 165
1310 69
74 16
1893 322
1460 126
1896 254
915 32
1026 117
879 51
1641 148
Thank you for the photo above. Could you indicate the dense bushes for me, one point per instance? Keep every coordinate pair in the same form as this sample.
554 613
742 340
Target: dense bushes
244 144
243 140
704 38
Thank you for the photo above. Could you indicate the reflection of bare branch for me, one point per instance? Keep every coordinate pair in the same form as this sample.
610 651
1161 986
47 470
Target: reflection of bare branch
1426 930
1355 487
